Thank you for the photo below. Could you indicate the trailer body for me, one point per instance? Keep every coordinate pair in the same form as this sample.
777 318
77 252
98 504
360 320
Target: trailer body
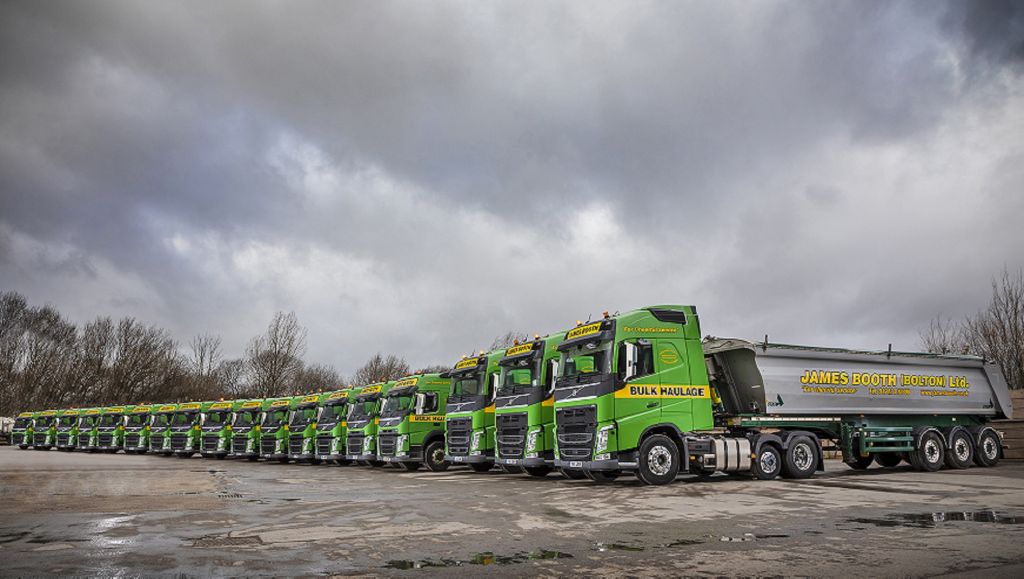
412 422
469 415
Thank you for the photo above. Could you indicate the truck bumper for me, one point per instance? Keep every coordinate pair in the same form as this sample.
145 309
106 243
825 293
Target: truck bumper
213 453
535 461
242 454
184 452
42 447
471 459
304 457
332 457
625 461
365 457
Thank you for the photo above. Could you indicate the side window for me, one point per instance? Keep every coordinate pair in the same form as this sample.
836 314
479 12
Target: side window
426 402
635 360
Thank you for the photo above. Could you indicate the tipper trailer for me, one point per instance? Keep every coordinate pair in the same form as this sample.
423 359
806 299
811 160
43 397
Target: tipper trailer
21 432
363 419
302 429
274 429
137 429
332 426
524 407
469 414
67 429
215 429
44 431
88 421
640 392
411 429
160 429
245 430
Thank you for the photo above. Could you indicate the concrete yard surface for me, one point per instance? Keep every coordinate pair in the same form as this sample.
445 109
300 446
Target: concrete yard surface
102 514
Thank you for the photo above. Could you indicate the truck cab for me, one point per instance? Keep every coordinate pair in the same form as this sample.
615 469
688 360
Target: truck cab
411 429
245 429
110 429
363 418
44 431
21 432
274 429
88 420
184 429
215 429
67 429
332 426
469 414
524 406
137 429
160 429
302 429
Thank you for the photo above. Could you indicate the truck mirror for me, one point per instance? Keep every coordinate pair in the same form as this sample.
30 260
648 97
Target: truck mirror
631 361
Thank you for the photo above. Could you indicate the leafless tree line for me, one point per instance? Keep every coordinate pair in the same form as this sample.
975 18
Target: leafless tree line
995 333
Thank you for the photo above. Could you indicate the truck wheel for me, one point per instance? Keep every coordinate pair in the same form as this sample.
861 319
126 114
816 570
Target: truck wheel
602 477
537 471
434 455
960 453
659 460
411 466
768 463
801 458
930 453
573 473
989 447
889 459
481 466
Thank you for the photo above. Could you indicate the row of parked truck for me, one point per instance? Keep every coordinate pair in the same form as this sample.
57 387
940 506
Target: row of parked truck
638 392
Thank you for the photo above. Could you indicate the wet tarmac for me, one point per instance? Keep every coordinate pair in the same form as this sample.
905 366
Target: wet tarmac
101 514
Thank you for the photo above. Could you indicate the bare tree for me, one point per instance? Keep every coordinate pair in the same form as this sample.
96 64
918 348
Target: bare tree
508 339
944 336
231 378
205 355
381 368
997 332
318 378
435 368
275 358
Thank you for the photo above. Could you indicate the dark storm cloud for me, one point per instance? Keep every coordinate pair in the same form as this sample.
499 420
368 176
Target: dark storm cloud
466 168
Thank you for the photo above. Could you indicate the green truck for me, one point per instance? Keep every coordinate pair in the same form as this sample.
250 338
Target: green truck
44 431
640 392
110 429
88 422
411 429
185 429
67 429
215 429
469 414
302 429
524 408
137 428
21 432
245 430
332 426
160 429
363 419
274 429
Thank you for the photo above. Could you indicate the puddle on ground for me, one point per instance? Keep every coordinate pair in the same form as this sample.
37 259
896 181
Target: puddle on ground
486 558
930 520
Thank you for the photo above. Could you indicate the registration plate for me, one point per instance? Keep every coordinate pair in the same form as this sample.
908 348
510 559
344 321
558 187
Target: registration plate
458 458
512 461
387 458
576 464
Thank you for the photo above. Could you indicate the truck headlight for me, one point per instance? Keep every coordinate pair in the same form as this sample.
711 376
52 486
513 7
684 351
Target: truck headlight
334 446
367 444
602 438
475 444
279 445
400 444
531 440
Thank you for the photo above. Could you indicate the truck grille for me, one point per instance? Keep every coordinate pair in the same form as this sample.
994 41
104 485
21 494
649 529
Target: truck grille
178 441
239 443
106 439
39 439
386 443
323 445
459 430
355 443
210 442
575 429
268 445
156 441
131 440
63 439
295 445
511 434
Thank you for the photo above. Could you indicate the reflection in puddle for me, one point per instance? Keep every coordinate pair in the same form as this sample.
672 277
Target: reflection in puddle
930 520
485 558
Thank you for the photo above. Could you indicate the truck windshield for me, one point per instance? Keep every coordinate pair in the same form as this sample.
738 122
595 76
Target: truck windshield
161 419
471 384
183 418
217 418
87 422
585 361
275 418
303 417
44 422
66 421
110 420
246 418
519 376
332 414
396 405
361 410
137 419
22 423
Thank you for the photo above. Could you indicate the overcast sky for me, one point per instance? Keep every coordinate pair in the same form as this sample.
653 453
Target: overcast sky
419 177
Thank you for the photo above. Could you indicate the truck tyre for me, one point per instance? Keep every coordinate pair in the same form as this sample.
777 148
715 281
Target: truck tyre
858 462
801 458
889 459
930 452
411 466
602 477
573 473
434 455
768 464
537 471
659 460
960 453
481 466
989 448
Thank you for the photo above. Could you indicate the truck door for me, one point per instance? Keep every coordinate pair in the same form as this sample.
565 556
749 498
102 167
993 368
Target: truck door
637 404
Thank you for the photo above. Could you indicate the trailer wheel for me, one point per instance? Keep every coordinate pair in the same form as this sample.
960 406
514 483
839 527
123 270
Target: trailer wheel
659 460
960 453
602 477
801 458
989 447
434 455
858 462
481 466
538 471
768 463
889 459
572 473
930 453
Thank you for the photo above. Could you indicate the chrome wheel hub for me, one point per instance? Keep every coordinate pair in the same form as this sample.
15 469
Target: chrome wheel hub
659 460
